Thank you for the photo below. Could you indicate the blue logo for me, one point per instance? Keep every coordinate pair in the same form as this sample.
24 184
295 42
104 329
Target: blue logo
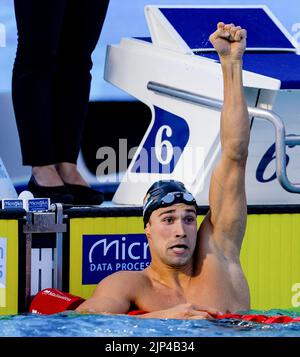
38 204
164 144
104 254
267 158
12 204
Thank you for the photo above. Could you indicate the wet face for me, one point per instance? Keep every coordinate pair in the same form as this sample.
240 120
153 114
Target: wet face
172 234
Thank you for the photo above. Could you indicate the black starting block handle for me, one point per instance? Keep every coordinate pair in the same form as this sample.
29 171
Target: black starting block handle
281 139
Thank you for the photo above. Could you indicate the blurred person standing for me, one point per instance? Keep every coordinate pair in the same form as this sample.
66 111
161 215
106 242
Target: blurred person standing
50 90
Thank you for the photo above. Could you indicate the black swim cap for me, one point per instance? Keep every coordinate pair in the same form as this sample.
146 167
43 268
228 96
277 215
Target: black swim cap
165 193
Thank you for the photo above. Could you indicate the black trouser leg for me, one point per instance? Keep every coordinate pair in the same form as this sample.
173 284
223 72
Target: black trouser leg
39 26
51 76
81 30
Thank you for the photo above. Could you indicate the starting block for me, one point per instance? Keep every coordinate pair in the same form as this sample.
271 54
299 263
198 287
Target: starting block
177 74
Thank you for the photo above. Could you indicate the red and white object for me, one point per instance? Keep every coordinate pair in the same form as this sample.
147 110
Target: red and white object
52 301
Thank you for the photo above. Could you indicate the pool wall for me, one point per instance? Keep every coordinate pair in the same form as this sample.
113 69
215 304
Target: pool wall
103 240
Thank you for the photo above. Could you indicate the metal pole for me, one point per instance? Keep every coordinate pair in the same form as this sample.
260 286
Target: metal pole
58 257
292 140
28 246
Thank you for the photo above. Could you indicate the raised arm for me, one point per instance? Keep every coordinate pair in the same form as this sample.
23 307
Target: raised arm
227 198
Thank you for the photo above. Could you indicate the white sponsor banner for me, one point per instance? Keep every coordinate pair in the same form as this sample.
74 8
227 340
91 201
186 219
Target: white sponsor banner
2 271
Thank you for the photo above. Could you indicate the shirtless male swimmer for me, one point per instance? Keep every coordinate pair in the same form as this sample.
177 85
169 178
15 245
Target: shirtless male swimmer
194 275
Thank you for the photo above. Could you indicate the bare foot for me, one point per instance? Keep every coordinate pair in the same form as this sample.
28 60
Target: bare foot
47 176
70 174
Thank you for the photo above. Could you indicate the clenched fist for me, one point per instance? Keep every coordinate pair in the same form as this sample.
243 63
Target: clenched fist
229 41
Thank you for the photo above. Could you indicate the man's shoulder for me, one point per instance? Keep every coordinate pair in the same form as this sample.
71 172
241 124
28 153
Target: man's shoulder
129 283
131 273
127 276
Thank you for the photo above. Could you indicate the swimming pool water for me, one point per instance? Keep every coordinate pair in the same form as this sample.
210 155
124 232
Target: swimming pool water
72 324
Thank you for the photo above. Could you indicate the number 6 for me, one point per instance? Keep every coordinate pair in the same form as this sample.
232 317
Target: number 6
159 144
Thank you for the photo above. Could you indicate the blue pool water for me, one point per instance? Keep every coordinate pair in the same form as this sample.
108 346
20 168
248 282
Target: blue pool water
72 324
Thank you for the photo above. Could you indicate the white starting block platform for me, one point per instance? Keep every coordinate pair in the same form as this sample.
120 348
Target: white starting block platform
177 74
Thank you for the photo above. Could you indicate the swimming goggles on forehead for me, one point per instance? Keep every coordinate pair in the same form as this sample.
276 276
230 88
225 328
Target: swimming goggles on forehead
156 201
185 197
168 199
